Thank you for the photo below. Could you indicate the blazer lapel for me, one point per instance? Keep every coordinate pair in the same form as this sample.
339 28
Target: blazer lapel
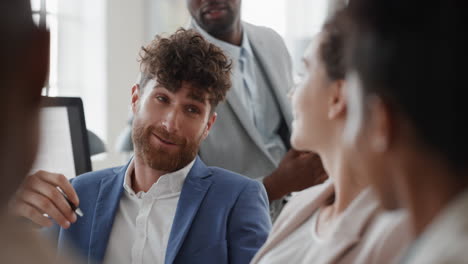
287 223
193 192
110 191
350 228
237 107
274 78
234 101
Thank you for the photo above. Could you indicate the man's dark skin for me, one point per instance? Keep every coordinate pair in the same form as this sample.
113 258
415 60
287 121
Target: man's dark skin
298 170
220 19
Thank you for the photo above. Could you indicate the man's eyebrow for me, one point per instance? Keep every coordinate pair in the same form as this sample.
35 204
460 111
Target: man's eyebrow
197 97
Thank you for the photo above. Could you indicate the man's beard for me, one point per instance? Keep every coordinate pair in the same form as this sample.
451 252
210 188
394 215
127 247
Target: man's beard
157 157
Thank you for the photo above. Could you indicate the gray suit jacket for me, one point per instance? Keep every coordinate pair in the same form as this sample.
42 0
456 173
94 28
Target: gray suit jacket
234 143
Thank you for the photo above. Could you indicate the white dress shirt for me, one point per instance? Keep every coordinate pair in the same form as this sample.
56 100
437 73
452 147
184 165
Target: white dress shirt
143 221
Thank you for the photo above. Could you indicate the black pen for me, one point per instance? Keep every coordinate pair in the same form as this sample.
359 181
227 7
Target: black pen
73 206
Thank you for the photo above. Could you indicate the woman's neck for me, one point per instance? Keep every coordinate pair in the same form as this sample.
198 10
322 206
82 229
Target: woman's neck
345 182
346 187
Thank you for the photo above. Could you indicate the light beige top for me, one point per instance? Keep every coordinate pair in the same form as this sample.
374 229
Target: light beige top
362 234
446 238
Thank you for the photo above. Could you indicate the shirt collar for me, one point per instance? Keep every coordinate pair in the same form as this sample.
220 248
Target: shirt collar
246 44
167 185
234 52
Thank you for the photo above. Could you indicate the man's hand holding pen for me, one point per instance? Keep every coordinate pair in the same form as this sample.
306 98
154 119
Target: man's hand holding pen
47 194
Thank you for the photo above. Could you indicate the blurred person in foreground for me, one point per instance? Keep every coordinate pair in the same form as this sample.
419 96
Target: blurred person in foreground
165 205
341 220
24 50
406 128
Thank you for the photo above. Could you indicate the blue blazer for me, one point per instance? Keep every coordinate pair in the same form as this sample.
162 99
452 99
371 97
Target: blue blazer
221 217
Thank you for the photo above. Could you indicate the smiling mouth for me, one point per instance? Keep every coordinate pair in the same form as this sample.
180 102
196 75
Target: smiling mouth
164 141
214 11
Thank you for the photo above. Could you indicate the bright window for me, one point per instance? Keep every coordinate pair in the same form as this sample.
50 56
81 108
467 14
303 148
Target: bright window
297 21
45 12
77 54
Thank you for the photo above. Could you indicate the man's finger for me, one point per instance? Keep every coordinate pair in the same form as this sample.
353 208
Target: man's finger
48 190
45 205
61 181
30 212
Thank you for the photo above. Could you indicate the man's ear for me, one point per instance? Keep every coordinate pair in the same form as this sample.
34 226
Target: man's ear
211 121
135 97
337 103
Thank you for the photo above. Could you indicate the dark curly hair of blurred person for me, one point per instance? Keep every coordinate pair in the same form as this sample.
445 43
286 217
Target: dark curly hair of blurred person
187 56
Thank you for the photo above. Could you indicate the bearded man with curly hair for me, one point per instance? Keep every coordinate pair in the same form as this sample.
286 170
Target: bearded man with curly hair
165 205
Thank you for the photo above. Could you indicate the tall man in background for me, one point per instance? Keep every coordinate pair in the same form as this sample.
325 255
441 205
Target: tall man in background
253 129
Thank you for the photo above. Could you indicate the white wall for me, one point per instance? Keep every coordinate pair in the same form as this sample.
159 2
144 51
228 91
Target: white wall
124 38
81 68
164 16
297 21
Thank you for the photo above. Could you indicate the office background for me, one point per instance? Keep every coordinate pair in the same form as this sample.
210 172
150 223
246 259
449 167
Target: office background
95 45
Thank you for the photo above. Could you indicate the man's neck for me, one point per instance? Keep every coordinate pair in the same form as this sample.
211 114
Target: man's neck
233 36
143 176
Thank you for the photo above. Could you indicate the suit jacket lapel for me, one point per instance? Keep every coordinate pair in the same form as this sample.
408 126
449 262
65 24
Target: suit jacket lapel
193 192
237 107
272 77
234 101
291 220
107 203
351 227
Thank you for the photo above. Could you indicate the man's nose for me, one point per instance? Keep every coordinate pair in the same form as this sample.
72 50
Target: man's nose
171 121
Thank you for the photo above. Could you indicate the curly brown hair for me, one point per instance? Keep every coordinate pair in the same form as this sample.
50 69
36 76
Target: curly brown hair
186 56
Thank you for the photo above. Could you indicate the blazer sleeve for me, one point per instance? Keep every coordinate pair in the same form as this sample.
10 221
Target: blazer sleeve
249 223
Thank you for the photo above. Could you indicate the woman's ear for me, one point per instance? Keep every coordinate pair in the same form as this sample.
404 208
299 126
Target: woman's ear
337 103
